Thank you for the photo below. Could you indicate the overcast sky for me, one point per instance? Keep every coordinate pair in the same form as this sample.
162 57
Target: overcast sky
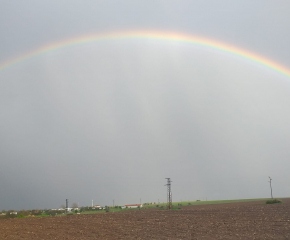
112 119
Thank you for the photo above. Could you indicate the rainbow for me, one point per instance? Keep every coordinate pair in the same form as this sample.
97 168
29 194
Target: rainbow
168 36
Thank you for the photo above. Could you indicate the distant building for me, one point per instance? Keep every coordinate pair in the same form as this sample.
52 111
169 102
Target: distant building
133 205
68 209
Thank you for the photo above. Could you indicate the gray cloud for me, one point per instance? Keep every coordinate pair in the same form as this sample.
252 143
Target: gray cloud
111 119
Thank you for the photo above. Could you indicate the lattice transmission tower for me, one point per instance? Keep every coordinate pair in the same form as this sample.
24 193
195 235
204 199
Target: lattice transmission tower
169 193
271 187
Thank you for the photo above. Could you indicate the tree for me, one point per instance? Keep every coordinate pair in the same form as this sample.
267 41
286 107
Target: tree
74 205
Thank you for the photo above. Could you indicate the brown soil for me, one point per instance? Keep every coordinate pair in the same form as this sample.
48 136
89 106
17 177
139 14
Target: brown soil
251 220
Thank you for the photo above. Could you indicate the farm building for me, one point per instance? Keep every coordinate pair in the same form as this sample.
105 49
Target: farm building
133 205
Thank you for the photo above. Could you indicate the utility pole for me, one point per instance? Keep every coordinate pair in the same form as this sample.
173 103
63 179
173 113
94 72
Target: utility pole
66 205
271 187
169 193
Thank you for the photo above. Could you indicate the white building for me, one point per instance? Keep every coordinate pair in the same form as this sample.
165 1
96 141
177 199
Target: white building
133 205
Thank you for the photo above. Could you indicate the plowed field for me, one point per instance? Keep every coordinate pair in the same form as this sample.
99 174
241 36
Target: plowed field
251 220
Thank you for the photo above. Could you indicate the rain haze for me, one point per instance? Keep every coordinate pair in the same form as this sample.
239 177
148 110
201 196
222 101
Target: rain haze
111 119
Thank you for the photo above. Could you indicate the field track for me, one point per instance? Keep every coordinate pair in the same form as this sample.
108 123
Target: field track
245 220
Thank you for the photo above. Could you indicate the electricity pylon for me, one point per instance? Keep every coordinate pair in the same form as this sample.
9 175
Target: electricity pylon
169 193
271 187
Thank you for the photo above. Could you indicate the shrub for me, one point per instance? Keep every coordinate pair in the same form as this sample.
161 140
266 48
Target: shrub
9 215
272 201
